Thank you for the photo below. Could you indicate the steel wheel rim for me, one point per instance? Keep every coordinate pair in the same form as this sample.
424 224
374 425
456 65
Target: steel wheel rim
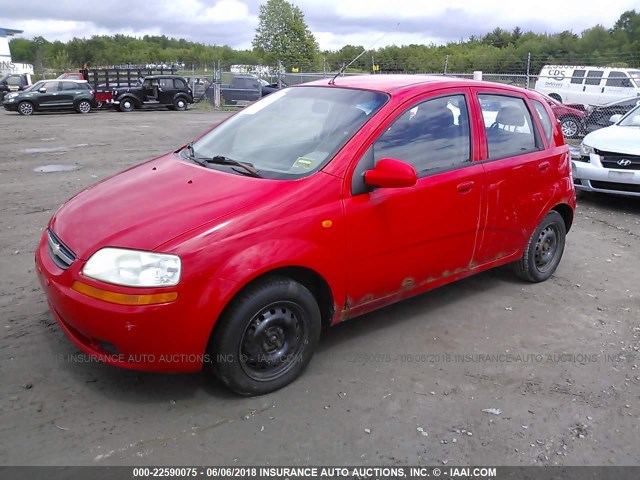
26 109
546 248
569 128
180 104
126 104
272 341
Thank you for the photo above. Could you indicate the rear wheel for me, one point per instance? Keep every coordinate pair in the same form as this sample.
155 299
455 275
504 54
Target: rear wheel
126 105
266 337
180 104
83 106
570 127
25 108
544 249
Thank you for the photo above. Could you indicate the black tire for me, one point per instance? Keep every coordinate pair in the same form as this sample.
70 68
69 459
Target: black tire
127 105
266 337
83 106
180 104
544 250
26 108
570 127
556 97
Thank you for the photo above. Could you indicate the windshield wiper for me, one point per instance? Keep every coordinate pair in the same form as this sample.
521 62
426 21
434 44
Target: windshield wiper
247 168
191 155
222 160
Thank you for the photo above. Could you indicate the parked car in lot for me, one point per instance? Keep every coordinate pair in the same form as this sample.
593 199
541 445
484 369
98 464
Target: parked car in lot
609 159
247 88
570 118
169 91
52 95
598 117
317 204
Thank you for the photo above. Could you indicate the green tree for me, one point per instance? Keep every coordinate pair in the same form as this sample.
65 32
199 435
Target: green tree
283 34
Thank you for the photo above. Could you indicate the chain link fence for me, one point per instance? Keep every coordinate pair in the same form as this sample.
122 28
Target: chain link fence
231 86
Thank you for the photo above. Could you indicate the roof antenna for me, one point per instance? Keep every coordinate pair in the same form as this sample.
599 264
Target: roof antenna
345 66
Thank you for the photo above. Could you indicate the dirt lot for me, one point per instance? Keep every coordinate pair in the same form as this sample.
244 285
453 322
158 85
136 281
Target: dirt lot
405 385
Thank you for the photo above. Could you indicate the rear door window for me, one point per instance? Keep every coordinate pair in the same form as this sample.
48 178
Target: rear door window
618 79
508 125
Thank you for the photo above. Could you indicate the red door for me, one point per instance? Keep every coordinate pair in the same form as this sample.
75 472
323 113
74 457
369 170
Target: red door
402 239
517 175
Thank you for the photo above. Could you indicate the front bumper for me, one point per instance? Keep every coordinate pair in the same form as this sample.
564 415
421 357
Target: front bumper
10 107
169 337
593 177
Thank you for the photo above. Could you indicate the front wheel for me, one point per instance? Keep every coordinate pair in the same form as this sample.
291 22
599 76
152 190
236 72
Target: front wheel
25 108
180 104
570 127
126 105
84 106
544 249
266 337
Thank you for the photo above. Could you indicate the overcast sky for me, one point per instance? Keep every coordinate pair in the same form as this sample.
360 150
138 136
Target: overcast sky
334 23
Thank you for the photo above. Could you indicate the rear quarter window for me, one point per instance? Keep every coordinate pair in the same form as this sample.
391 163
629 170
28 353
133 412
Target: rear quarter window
547 123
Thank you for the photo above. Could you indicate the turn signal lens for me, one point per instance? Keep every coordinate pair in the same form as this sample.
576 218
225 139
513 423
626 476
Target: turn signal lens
123 298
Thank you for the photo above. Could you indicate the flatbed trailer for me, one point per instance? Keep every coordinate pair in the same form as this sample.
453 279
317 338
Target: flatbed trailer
105 80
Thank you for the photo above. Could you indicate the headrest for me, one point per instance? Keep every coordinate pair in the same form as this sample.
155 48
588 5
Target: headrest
510 116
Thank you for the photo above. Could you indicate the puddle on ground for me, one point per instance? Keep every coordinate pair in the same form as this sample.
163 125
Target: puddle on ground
61 167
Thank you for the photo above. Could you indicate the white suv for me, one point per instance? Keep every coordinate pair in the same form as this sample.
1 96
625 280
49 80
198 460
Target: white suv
610 157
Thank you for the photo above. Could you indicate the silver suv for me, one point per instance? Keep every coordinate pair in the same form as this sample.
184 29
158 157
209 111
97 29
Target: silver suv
609 159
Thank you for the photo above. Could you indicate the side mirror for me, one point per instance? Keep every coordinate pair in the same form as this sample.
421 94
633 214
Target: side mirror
42 90
391 173
615 118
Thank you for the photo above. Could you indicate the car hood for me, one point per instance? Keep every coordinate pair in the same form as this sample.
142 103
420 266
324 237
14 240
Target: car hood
615 139
150 204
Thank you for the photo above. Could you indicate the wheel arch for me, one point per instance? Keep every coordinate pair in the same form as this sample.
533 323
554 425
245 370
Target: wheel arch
309 278
567 214
135 100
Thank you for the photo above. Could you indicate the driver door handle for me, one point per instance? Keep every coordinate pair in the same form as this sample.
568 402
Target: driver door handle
465 187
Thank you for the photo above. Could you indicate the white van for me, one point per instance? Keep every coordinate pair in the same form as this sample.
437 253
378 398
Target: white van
588 85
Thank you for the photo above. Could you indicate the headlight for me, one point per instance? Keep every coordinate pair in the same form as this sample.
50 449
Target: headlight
133 268
10 96
586 150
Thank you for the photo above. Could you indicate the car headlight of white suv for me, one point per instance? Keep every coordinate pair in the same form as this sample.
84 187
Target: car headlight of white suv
586 150
133 268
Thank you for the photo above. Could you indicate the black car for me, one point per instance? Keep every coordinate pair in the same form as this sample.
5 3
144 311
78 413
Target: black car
52 95
155 90
598 117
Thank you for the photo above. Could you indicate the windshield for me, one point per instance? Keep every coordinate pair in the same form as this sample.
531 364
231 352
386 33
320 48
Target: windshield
292 132
635 77
631 119
34 87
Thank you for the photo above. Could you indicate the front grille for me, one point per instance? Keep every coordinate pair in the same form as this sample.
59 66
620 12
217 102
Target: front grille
620 187
620 161
61 255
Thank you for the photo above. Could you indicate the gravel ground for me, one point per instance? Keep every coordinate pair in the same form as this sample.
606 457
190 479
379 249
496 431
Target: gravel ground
405 385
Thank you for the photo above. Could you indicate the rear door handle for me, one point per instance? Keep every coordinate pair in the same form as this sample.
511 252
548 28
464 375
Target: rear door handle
543 167
465 187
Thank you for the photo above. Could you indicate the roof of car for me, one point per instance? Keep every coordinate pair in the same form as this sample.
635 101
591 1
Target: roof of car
75 80
163 76
393 83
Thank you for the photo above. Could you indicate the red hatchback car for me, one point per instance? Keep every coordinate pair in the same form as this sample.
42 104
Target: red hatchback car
319 203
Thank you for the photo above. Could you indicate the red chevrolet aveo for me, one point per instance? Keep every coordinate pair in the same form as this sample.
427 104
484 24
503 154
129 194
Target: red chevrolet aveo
314 205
